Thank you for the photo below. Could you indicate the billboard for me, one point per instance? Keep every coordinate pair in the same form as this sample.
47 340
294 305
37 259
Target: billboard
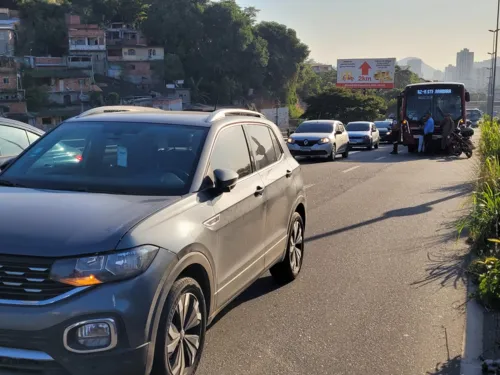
366 73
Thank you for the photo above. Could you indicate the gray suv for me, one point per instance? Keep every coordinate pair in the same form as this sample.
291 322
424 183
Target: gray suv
115 262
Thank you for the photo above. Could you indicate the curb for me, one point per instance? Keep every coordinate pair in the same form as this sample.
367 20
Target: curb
471 363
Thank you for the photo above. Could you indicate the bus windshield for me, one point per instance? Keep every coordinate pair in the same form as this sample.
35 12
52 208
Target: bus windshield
438 101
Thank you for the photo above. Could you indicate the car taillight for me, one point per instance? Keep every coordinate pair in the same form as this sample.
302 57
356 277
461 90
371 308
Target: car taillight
79 157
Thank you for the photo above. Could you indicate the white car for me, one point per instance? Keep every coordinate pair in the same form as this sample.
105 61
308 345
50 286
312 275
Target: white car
363 134
319 138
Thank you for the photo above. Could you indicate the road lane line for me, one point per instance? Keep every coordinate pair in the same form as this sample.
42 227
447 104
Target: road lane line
308 186
353 152
350 169
380 158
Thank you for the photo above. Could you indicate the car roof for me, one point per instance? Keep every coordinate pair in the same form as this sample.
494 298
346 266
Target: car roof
20 125
153 115
361 122
320 122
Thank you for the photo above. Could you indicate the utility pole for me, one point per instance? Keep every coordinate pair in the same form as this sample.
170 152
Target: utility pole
495 66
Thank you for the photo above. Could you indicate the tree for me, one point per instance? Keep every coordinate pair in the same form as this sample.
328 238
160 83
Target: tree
345 105
113 98
132 12
286 53
405 77
36 98
309 83
43 28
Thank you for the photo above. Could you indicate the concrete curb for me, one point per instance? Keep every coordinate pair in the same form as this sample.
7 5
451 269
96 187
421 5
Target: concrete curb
471 363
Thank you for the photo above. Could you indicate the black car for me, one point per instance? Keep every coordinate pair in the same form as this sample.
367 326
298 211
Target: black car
384 128
15 136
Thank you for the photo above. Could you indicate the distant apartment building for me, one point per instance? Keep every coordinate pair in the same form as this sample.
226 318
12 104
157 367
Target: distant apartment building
321 68
8 22
12 98
465 65
450 73
138 64
87 44
415 66
482 77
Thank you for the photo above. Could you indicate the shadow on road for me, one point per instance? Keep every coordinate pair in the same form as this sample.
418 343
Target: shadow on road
401 212
450 367
445 269
260 287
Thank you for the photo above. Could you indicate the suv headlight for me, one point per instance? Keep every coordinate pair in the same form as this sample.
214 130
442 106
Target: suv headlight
290 140
324 140
98 269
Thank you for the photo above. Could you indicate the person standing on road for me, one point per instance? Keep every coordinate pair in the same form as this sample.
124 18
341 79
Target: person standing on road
447 126
396 136
428 132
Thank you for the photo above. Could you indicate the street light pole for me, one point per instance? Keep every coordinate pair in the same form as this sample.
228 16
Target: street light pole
495 66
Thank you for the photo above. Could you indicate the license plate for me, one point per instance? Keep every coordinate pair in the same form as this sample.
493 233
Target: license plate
305 149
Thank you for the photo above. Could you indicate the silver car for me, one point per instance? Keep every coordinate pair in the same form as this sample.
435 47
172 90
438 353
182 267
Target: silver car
363 134
117 263
319 138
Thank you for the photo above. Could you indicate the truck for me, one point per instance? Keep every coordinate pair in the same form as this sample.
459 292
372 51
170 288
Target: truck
438 98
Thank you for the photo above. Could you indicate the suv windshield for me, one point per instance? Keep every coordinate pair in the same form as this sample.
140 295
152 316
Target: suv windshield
358 127
112 157
315 127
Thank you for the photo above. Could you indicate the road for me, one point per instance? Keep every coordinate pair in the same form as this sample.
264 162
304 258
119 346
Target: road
381 291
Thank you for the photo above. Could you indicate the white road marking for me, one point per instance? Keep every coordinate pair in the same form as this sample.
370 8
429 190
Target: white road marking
308 186
350 169
380 158
353 152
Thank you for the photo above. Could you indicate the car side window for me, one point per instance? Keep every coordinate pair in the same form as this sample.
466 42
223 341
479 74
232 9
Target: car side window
277 146
341 127
230 151
12 140
261 145
32 137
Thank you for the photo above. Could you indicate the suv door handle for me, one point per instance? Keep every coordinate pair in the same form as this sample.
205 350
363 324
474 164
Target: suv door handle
288 173
259 191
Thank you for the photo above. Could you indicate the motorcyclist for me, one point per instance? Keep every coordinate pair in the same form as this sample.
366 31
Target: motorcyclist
447 126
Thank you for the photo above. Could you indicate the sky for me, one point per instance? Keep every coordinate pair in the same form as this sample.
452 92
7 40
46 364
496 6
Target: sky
433 30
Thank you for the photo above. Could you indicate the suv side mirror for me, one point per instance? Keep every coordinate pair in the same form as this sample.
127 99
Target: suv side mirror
467 96
225 179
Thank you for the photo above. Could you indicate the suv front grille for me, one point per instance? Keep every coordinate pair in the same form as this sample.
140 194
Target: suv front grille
27 279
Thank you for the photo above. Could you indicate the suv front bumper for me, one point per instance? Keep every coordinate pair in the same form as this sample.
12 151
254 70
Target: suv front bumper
31 337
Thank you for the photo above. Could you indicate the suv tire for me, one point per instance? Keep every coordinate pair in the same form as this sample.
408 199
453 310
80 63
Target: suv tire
183 326
288 270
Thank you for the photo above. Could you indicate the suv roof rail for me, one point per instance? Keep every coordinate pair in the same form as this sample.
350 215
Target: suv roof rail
117 108
221 113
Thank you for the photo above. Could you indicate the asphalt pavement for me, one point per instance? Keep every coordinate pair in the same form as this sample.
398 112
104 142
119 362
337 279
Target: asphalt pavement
382 288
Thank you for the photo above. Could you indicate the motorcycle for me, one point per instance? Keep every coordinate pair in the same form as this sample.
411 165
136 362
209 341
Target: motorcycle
460 141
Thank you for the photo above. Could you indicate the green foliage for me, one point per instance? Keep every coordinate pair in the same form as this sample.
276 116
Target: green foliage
43 28
113 99
405 77
483 220
344 105
489 283
36 98
174 70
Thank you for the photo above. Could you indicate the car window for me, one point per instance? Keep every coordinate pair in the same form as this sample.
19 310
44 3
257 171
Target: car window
261 145
277 146
315 127
32 137
12 140
113 157
341 127
230 151
358 126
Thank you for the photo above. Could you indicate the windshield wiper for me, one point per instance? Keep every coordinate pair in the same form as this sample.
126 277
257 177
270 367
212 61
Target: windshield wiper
10 184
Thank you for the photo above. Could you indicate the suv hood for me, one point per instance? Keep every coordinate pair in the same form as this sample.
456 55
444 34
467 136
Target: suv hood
310 136
63 223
